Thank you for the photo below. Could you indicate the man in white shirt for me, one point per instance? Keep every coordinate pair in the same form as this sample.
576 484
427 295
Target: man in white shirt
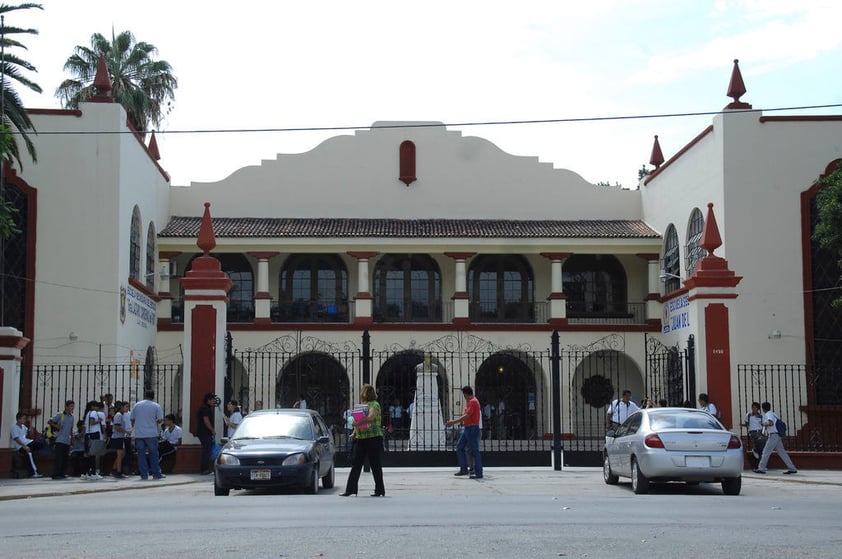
620 410
773 443
147 417
23 443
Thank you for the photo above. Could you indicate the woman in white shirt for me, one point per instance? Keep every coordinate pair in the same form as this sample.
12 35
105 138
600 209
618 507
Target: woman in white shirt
93 432
234 417
121 437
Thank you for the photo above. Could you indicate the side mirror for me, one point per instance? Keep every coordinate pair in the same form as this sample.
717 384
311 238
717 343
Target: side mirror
610 433
323 440
223 441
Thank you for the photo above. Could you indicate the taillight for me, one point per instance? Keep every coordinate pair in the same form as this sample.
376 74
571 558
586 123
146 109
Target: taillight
653 441
734 442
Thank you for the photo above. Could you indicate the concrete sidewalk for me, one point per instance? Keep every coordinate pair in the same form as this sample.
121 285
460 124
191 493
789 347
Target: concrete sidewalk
411 480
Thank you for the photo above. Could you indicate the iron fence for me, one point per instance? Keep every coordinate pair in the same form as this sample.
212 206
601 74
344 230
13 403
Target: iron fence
791 390
53 385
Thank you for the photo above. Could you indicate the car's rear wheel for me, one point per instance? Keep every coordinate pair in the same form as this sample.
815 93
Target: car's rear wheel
732 485
313 486
640 483
607 474
220 491
329 479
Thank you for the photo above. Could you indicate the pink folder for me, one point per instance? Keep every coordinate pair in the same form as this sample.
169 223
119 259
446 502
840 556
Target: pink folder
359 416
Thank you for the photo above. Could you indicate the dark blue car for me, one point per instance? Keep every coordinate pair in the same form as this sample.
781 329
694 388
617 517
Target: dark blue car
277 448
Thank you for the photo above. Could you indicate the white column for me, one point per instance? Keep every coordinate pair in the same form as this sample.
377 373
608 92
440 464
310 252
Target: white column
363 300
11 344
557 298
262 299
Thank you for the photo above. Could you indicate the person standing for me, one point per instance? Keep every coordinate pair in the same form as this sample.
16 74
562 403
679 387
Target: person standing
753 421
706 405
147 417
368 442
93 439
774 443
23 444
234 417
620 410
470 421
121 437
62 425
204 431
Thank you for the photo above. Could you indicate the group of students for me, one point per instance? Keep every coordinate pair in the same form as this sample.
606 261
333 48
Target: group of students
104 426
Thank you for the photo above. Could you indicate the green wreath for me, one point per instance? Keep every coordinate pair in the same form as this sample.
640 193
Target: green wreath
597 391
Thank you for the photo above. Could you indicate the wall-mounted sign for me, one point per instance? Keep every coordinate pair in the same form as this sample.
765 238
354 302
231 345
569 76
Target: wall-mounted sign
676 314
141 307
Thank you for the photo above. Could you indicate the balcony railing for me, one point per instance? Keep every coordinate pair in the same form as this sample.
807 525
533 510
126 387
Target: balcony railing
509 312
606 313
302 311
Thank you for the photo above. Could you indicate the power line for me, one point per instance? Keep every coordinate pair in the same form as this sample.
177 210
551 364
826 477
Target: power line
433 124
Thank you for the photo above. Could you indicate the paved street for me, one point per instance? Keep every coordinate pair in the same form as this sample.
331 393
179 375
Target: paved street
513 512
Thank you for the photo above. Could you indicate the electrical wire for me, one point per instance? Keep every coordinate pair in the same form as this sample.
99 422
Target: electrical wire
432 124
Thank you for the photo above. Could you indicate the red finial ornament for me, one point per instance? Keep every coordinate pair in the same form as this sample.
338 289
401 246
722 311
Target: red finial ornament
657 157
736 88
102 83
153 148
710 240
206 240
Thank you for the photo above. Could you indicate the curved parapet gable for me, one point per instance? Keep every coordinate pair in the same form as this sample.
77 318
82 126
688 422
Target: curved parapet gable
359 176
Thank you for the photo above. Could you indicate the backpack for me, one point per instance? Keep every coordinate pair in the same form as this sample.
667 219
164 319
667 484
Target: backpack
781 427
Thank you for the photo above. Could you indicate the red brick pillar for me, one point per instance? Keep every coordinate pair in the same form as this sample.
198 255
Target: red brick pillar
205 306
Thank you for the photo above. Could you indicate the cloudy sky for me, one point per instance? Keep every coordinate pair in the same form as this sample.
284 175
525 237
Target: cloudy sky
291 64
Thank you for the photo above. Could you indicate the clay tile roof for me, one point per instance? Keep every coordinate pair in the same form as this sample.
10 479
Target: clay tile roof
240 227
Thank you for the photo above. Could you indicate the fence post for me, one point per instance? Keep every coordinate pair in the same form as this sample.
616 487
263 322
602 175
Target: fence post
691 368
556 383
366 357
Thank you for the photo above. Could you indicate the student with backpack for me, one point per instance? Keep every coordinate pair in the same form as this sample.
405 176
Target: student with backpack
772 424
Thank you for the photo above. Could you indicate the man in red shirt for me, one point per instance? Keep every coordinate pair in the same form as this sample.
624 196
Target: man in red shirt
470 434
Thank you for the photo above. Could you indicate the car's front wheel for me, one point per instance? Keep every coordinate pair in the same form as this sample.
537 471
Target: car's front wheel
221 491
607 474
313 485
640 483
732 485
329 479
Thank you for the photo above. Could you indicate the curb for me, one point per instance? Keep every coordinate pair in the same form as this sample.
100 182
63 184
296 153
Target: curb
97 489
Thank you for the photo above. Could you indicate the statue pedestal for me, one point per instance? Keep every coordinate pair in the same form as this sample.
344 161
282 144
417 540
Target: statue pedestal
426 432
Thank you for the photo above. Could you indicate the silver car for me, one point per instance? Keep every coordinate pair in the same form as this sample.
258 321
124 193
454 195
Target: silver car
673 444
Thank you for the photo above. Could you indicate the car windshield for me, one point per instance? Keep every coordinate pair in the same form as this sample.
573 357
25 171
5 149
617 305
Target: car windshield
681 419
275 426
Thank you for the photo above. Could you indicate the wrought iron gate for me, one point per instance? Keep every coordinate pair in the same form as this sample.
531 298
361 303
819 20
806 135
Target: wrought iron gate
510 382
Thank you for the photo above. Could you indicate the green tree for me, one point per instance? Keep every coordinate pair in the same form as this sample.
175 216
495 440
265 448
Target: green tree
142 85
828 232
14 116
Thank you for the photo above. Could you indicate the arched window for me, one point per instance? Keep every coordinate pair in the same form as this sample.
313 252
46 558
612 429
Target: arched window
241 295
407 288
312 288
594 284
135 246
671 261
694 237
150 257
501 289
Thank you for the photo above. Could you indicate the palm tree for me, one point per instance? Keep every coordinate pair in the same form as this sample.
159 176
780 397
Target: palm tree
14 116
143 86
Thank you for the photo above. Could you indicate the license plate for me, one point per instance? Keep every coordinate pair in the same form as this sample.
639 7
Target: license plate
261 475
697 461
